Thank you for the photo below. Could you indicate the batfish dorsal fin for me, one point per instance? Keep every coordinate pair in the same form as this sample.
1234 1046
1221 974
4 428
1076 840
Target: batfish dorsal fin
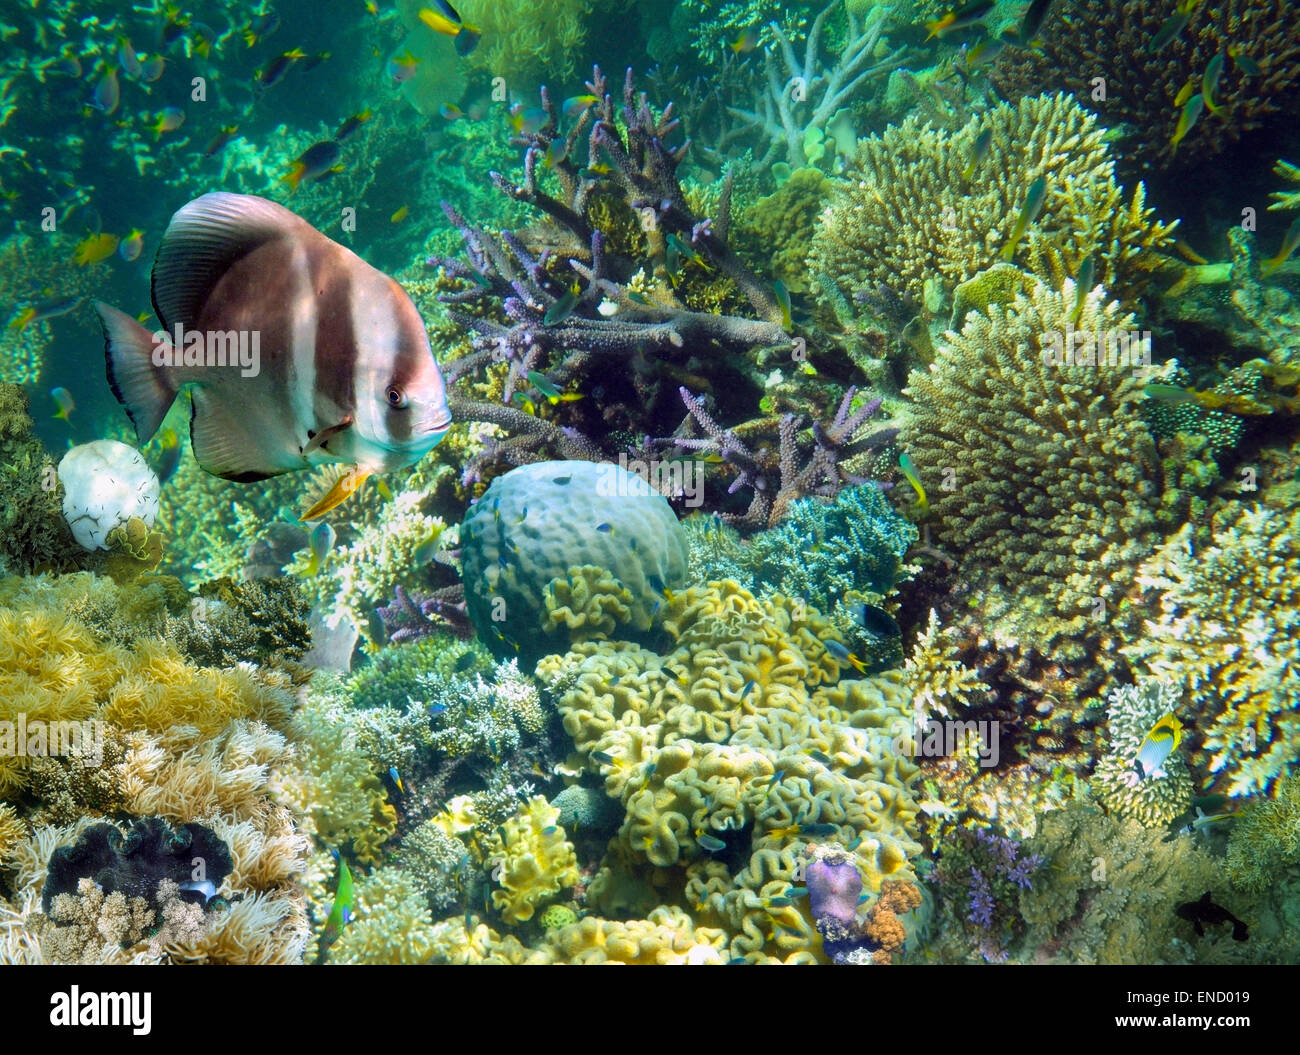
203 239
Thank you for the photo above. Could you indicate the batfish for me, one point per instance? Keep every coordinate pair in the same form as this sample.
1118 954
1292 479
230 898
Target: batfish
299 353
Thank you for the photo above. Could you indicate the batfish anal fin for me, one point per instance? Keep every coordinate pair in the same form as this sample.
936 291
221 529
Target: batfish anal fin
146 390
347 485
202 240
227 443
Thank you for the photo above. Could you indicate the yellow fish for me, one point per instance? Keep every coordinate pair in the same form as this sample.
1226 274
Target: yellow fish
1158 745
95 248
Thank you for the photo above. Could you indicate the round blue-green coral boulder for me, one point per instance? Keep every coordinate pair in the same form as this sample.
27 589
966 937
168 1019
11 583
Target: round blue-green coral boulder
537 523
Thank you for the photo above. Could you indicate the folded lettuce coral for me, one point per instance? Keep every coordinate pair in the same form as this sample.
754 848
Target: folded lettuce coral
732 753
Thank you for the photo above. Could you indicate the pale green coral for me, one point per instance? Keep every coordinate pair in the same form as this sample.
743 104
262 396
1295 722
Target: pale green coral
532 860
1266 839
1227 635
1154 799
391 926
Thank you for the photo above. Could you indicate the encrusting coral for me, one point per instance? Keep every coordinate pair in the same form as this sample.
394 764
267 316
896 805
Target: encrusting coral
910 221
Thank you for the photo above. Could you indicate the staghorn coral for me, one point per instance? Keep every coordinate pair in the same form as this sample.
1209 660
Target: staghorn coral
1083 41
1226 634
1286 199
1153 799
735 752
657 286
906 219
1042 477
793 122
978 875
533 859
776 477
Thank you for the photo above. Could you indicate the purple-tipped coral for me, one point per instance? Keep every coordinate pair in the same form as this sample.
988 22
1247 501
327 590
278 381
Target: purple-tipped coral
778 479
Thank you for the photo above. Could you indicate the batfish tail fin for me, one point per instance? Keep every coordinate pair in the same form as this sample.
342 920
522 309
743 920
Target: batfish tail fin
143 388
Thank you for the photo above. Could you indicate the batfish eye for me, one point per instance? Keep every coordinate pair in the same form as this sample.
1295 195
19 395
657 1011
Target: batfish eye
396 397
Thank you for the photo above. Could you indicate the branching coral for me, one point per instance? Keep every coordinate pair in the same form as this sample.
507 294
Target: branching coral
570 298
939 680
1086 44
1042 477
1267 837
777 478
910 220
1227 635
1153 798
804 95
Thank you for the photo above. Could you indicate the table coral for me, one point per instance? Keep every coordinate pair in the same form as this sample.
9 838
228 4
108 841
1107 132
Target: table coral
1155 800
1227 635
908 219
1042 478
735 751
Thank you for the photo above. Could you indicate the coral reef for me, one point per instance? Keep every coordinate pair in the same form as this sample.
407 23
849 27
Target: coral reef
734 753
940 682
1108 891
1154 798
909 219
1083 42
533 860
793 121
1225 634
979 874
1042 477
33 532
525 542
822 550
1266 840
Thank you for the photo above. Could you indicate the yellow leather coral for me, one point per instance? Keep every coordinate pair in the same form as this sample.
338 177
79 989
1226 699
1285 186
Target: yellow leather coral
534 861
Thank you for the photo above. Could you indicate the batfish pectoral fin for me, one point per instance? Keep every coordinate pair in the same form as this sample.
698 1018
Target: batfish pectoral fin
325 435
347 485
